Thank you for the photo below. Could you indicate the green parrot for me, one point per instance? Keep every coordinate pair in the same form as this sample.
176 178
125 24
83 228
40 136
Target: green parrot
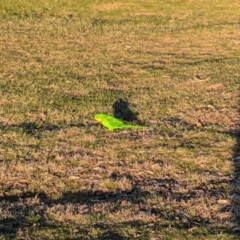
112 123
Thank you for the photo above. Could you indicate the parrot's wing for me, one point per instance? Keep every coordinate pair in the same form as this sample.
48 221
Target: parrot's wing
113 123
108 121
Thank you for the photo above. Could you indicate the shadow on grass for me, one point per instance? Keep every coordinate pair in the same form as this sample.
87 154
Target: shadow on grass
122 111
30 128
29 212
36 128
236 184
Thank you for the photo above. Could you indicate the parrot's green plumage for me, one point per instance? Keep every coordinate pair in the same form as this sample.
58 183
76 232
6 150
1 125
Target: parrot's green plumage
112 123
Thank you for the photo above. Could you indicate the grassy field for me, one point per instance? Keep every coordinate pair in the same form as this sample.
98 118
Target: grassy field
170 64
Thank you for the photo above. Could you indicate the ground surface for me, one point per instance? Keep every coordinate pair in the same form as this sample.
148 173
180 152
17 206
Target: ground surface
172 65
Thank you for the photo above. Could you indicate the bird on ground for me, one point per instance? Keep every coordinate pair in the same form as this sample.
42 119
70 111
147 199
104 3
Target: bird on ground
112 123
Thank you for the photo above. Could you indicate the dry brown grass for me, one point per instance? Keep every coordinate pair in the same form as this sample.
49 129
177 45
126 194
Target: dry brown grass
65 177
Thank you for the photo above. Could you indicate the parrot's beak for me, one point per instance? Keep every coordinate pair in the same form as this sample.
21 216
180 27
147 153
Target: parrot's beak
98 119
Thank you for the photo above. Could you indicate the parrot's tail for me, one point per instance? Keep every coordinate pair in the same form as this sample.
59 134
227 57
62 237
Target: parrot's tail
134 126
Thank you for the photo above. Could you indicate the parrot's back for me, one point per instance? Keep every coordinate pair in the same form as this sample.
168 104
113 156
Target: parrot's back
113 123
